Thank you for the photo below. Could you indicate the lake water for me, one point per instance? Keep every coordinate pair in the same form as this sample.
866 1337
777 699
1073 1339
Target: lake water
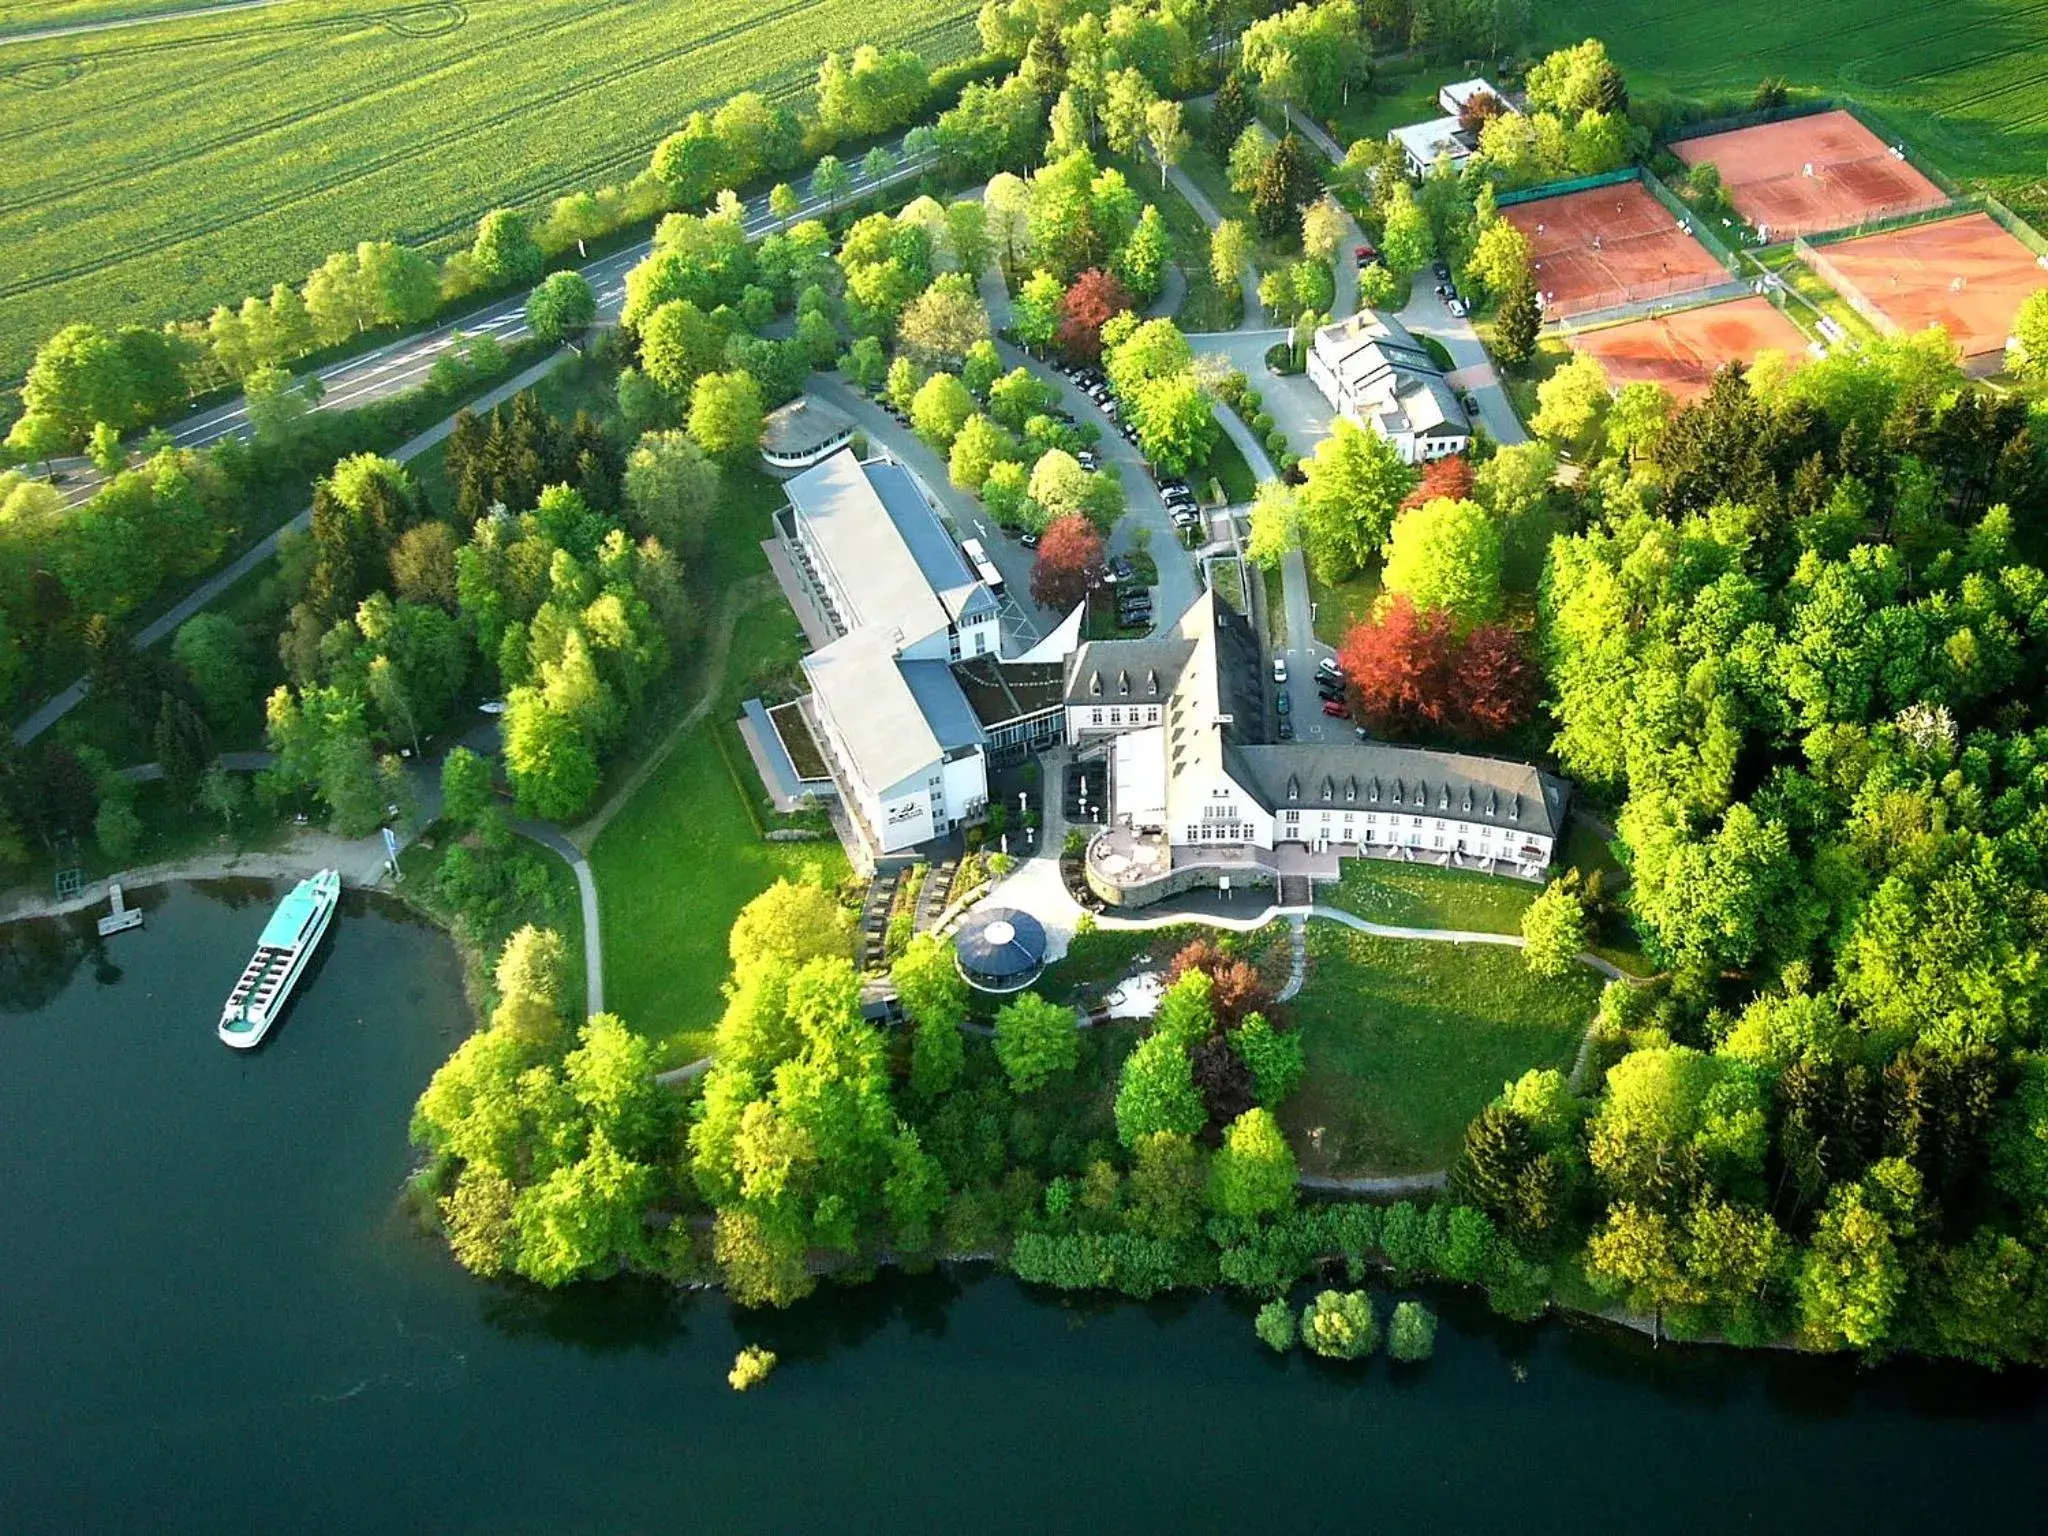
213 1317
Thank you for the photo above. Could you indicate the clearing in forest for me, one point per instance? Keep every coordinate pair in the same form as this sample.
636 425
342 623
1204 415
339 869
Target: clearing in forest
1806 175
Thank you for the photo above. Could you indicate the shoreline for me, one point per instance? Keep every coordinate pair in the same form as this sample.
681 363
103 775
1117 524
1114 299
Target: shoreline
305 851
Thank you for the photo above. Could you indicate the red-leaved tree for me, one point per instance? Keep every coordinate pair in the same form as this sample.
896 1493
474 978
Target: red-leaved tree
1494 683
1398 666
1237 988
1449 477
1069 563
1095 297
1412 674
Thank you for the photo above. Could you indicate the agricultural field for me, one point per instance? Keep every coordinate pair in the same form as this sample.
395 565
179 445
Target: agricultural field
150 172
1965 82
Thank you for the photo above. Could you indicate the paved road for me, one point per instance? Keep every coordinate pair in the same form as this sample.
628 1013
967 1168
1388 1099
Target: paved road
63 703
552 837
1426 316
405 362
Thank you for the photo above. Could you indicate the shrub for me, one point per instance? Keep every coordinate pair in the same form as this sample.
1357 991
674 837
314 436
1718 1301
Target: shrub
1339 1325
1275 1326
750 1367
1412 1334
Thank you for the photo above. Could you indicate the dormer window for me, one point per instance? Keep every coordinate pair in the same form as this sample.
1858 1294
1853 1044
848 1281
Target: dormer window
1514 808
1329 788
1468 802
1152 682
1372 792
1094 685
1293 788
1443 798
1123 683
1351 789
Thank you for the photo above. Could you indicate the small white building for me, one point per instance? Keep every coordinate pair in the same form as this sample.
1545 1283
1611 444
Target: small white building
1422 145
1370 367
802 433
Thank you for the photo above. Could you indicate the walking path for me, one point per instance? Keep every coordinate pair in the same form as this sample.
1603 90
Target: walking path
144 19
551 837
1248 277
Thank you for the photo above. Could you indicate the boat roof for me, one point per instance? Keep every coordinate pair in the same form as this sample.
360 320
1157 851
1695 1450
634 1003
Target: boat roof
288 923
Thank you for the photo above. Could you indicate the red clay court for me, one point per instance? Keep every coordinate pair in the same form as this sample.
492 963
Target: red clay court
1684 351
1609 246
1965 273
1806 175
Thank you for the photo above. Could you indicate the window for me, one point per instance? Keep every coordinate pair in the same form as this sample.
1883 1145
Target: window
1368 834
1294 816
1116 717
1418 821
1095 717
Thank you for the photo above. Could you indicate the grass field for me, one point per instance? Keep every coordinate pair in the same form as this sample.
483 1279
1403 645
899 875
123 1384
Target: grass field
1965 82
682 857
1424 896
1407 1040
154 171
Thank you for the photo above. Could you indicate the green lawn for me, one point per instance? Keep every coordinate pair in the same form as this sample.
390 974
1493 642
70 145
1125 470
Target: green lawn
1424 896
1960 80
1227 465
1206 307
1818 295
1342 605
1406 1040
1396 100
682 857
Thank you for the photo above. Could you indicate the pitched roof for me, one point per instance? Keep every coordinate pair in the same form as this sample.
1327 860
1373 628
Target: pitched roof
945 707
1376 775
1118 672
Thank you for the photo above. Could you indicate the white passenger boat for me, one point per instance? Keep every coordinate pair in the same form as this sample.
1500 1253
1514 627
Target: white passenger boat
288 942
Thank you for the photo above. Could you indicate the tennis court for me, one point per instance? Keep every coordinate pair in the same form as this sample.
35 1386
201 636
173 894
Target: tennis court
1966 274
1807 175
1609 246
1683 351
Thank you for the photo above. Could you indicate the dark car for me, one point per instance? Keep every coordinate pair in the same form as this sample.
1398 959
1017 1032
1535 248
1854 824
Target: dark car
1028 539
1443 272
1287 730
1282 703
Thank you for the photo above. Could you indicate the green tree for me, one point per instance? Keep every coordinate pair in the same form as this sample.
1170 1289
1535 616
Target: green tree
215 654
468 791
979 447
935 997
1167 134
967 236
1446 555
1175 421
939 409
1035 310
1274 1056
1274 1325
1286 183
505 252
1156 1092
726 415
560 307
794 921
1229 249
1353 484
672 489
2026 353
1406 244
1412 1334
783 201
1035 1038
1339 1325
1253 1174
548 757
1570 403
830 180
610 1075
585 1218
679 344
1555 930
939 327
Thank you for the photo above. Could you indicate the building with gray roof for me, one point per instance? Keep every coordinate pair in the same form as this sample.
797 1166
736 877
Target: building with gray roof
1371 368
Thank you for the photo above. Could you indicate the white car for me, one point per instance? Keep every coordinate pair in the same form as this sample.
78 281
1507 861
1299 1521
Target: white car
1329 668
1279 669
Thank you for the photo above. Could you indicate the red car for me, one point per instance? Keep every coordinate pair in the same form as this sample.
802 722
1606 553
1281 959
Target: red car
1335 708
1366 253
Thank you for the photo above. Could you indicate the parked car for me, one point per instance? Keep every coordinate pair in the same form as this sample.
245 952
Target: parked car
1187 519
1457 308
1120 568
1365 254
1279 669
1287 730
1336 708
1443 272
1087 460
1028 539
1329 668
1328 689
1282 703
